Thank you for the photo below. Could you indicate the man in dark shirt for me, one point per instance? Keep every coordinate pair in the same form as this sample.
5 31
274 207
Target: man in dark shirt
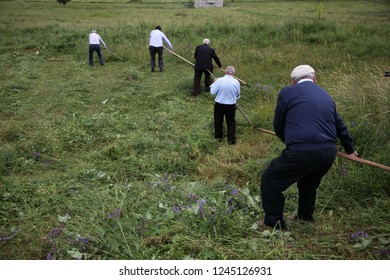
204 55
307 122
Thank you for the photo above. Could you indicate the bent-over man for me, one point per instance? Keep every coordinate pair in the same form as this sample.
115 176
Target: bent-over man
94 46
307 122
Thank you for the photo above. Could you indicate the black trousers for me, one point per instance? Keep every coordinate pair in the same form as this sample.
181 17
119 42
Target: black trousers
306 168
228 112
153 51
95 48
197 79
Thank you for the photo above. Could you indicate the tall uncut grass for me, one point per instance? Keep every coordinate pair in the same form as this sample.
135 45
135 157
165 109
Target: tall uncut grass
116 162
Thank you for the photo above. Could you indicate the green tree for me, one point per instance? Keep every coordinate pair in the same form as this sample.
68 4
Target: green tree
63 2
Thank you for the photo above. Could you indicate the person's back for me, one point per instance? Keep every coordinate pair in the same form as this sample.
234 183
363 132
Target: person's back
310 119
306 120
203 57
94 38
94 46
226 89
156 39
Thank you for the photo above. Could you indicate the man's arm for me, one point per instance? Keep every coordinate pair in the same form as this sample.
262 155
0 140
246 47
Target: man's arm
167 41
279 118
216 58
343 135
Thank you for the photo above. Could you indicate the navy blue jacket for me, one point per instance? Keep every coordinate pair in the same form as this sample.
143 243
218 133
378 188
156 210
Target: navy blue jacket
203 57
306 119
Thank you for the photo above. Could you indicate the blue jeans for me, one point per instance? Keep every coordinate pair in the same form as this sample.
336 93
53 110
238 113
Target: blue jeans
95 48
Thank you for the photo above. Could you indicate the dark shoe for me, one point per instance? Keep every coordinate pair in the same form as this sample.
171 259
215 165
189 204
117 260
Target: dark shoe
152 69
161 69
218 139
232 142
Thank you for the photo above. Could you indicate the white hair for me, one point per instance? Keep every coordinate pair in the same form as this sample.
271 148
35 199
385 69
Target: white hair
230 70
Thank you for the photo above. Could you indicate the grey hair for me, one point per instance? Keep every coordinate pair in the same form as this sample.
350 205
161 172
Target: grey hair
230 70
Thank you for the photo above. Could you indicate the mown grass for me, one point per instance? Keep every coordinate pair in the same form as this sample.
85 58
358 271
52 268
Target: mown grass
116 162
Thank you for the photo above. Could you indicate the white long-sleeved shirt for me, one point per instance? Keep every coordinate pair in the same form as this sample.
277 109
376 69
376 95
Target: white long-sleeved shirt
226 89
95 39
157 37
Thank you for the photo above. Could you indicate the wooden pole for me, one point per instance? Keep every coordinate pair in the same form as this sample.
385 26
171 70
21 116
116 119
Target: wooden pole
114 54
341 154
172 52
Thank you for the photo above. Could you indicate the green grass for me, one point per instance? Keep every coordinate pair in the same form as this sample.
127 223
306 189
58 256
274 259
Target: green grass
116 162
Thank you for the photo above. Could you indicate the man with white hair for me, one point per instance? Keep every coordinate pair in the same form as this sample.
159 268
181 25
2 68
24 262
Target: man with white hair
307 122
94 46
226 91
204 56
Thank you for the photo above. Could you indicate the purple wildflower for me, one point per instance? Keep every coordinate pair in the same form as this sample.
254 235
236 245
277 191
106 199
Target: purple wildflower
359 234
176 209
201 209
36 154
234 191
5 238
382 252
343 172
117 213
166 186
192 197
56 232
202 202
83 242
49 257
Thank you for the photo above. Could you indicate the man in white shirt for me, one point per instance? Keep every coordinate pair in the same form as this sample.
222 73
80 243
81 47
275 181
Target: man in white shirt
227 91
156 46
94 46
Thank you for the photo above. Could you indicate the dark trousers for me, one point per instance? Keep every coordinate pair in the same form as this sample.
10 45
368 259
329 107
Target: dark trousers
95 48
306 168
197 79
153 51
228 112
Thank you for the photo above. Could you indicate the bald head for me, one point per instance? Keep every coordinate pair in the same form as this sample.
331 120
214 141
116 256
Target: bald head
230 70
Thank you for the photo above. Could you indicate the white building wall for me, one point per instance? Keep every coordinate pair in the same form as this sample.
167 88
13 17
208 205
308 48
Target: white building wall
208 3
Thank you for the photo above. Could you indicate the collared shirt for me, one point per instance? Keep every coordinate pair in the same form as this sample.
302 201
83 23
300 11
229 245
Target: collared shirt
95 39
305 80
157 37
226 89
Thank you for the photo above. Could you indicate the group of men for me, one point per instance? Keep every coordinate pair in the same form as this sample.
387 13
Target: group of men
226 89
305 120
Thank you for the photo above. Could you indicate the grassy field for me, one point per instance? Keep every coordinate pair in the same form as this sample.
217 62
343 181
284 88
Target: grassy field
116 162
